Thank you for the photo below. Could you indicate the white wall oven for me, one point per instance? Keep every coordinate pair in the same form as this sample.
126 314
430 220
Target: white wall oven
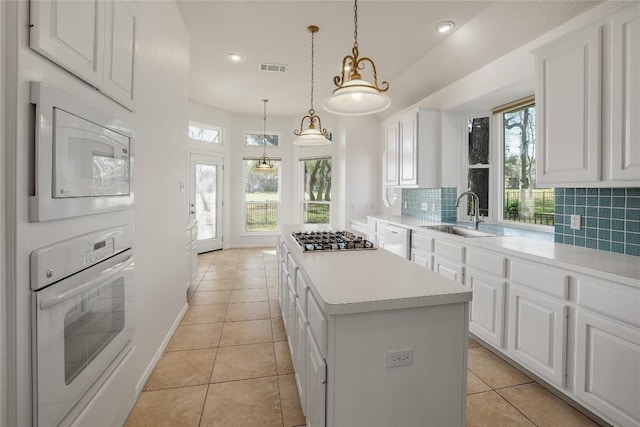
82 319
83 158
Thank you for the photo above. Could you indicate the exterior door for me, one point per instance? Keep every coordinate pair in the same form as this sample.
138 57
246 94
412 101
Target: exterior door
205 199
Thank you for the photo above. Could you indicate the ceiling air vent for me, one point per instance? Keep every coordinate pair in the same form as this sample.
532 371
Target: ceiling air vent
282 68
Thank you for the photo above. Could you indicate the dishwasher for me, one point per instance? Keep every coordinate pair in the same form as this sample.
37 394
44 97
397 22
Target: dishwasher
396 240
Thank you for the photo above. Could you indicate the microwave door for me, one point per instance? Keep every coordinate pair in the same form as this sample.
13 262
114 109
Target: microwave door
89 160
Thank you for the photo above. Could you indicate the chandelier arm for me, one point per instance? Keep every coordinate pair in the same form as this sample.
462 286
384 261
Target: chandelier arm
340 80
385 85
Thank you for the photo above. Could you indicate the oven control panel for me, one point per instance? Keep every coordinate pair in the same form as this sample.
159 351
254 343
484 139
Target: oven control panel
98 250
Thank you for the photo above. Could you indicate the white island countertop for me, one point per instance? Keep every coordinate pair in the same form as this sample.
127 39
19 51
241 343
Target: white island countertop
356 281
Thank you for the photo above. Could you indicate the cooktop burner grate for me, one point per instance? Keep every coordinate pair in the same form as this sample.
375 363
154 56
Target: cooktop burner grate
314 241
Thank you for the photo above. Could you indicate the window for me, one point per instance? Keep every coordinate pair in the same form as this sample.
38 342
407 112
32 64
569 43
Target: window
478 163
261 197
522 201
255 139
316 190
205 133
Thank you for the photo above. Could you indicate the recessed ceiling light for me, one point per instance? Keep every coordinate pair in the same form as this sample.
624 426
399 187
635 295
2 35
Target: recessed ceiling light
445 26
235 57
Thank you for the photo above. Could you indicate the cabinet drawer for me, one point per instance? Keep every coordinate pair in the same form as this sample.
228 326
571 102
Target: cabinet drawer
491 263
423 259
448 269
610 299
301 290
317 323
422 242
449 250
541 277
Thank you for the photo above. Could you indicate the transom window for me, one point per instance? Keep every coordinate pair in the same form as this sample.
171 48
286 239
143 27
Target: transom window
253 139
205 133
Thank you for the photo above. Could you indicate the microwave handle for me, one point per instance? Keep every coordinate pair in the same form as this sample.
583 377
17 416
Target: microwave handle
50 302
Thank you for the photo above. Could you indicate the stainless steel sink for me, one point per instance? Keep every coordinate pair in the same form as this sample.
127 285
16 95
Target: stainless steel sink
459 231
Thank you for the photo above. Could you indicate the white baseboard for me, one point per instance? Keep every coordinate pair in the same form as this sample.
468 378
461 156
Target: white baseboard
156 358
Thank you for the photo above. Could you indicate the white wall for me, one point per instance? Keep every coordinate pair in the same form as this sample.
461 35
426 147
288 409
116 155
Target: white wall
159 124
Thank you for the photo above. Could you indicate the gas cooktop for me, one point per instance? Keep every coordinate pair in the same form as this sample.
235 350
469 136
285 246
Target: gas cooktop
315 241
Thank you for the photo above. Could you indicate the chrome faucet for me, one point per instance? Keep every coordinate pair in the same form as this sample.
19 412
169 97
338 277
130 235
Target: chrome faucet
476 206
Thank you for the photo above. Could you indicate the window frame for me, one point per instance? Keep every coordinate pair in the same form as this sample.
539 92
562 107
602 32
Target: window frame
209 127
301 161
245 232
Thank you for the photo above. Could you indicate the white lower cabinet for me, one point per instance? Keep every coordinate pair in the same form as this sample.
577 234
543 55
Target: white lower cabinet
422 258
449 269
315 387
486 319
608 367
538 333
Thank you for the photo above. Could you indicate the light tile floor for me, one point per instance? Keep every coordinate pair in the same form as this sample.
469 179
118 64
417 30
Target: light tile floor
228 363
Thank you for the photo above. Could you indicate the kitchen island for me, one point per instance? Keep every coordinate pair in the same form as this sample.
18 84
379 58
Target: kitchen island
375 339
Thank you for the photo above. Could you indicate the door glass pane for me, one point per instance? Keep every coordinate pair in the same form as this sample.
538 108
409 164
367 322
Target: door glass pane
90 325
261 197
479 141
206 200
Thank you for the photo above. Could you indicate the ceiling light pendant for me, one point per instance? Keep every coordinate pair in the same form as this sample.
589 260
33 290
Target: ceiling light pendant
311 135
355 96
264 164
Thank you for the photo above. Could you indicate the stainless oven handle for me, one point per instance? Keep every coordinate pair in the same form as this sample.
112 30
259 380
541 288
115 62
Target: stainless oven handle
50 302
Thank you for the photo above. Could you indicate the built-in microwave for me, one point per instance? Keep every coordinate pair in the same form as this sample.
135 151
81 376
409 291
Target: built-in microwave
83 158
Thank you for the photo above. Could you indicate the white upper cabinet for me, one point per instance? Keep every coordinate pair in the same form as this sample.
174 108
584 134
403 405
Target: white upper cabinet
119 53
94 40
412 150
625 96
588 104
71 34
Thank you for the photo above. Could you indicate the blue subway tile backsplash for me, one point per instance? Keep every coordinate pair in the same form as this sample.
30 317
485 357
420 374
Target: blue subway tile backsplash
433 204
610 218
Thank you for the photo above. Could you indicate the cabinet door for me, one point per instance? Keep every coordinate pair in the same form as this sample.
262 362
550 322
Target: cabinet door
409 150
316 374
392 148
71 34
487 307
568 111
120 46
538 333
299 353
290 314
608 367
448 269
625 96
422 259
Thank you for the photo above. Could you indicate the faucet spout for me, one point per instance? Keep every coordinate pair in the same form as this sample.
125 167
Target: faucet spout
476 205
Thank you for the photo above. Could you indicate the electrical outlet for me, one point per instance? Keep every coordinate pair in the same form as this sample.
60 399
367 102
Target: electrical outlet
575 222
425 207
396 358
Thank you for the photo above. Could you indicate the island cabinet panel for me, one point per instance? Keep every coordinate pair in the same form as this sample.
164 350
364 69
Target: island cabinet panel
608 367
487 307
316 380
538 333
299 354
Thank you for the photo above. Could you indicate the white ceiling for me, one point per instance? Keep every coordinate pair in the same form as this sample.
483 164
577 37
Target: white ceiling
398 35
